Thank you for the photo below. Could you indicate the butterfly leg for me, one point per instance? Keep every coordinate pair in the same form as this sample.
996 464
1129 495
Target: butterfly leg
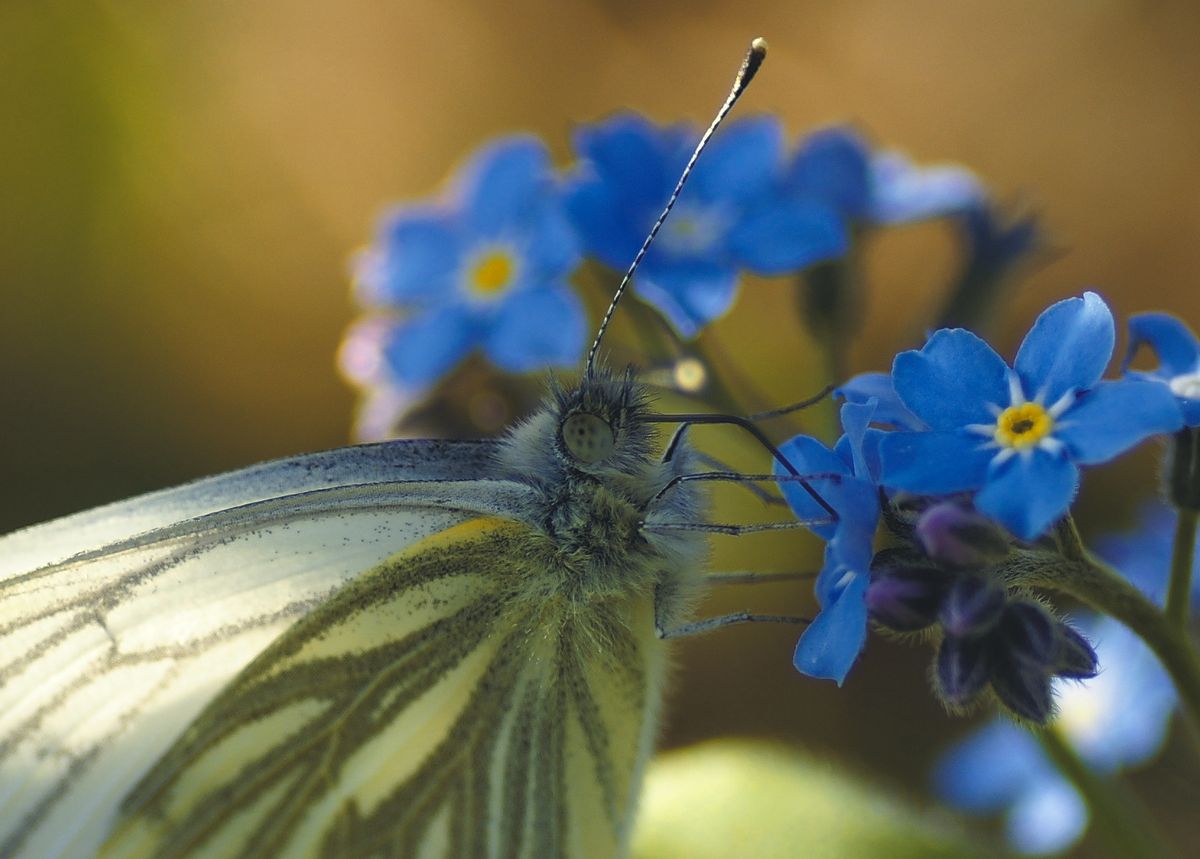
708 624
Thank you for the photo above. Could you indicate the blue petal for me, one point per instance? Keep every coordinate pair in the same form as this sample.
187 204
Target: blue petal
888 409
501 182
1047 819
1029 492
857 504
989 769
637 157
1067 349
689 295
611 230
1172 341
829 646
742 162
856 417
783 236
934 463
1114 416
832 166
550 248
425 347
902 192
536 328
418 257
952 380
809 456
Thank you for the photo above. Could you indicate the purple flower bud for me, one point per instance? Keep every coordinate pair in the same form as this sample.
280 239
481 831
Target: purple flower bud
1029 634
1076 658
972 607
962 670
904 596
952 535
1022 687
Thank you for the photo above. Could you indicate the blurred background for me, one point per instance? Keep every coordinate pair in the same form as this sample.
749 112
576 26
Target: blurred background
182 186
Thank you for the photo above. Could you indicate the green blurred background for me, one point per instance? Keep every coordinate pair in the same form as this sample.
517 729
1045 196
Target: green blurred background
182 185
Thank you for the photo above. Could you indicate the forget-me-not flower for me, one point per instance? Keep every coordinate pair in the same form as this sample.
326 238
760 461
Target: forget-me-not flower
1178 353
829 646
1017 436
836 166
486 268
719 226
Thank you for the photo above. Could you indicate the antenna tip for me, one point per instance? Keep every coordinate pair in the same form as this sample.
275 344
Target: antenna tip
759 47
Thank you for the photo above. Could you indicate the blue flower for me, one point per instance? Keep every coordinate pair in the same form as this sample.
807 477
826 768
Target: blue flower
1017 436
835 167
486 268
1178 353
1118 719
829 646
902 192
720 225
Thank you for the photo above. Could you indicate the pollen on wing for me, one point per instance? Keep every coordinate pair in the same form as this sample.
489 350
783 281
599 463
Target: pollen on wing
1023 426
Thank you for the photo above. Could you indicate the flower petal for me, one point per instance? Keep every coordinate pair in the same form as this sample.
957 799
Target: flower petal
1028 492
500 182
990 769
742 162
934 463
831 166
783 236
424 347
1067 348
416 259
536 328
888 409
902 192
1048 818
950 382
689 295
1172 341
809 456
829 646
1114 416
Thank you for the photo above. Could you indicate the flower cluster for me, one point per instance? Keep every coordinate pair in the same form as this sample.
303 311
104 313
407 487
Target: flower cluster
487 266
975 461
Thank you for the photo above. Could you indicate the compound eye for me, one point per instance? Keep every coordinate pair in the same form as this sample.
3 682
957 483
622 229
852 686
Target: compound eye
587 437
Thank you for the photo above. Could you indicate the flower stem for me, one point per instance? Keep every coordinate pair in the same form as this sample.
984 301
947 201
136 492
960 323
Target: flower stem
1123 825
1179 593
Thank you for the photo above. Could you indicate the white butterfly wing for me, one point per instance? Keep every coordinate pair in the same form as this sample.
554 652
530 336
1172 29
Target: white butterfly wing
107 653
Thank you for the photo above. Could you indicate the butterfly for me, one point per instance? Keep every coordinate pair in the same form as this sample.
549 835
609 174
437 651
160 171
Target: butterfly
412 648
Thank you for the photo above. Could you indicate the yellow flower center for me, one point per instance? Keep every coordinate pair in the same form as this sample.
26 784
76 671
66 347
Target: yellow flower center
1023 426
492 273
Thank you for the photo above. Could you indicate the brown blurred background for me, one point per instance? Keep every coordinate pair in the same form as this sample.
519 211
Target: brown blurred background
182 184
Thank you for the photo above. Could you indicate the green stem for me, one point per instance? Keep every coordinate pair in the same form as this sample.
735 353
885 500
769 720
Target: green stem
1179 593
1123 825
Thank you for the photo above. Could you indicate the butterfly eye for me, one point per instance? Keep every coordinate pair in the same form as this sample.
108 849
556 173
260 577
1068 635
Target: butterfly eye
587 437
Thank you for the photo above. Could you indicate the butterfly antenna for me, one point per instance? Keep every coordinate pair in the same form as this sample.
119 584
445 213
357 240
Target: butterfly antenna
754 59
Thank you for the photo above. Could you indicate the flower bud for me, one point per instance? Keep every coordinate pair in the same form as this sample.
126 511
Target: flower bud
1022 687
1076 658
972 607
962 670
1029 634
960 538
904 594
